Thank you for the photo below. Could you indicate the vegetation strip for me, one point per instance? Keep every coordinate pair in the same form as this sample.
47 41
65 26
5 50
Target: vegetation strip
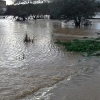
89 45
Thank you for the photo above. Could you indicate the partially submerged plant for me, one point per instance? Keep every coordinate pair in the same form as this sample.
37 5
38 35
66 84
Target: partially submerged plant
27 39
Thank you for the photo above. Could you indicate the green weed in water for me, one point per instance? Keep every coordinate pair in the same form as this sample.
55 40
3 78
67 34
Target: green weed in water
82 45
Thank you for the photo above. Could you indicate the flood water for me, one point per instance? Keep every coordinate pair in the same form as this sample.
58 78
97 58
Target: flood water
26 68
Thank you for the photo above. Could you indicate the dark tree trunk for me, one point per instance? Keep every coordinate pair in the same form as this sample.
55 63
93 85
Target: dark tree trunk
77 22
23 18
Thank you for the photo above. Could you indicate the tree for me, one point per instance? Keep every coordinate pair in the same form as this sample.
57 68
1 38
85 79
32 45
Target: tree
24 1
76 9
25 10
18 1
55 8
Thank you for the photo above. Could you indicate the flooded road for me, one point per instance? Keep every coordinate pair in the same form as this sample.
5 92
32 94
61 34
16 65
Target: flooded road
27 68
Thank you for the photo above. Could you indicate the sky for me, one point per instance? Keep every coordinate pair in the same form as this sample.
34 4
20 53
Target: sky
8 2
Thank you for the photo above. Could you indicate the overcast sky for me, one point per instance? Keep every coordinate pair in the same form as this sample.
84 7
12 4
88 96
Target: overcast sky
8 2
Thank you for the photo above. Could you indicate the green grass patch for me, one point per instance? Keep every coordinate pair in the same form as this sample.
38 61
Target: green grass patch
82 45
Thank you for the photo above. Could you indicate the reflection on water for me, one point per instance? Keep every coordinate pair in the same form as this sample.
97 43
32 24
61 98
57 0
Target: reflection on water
27 67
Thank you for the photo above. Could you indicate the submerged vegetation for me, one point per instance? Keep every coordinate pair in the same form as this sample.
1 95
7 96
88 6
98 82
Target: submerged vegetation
89 45
27 39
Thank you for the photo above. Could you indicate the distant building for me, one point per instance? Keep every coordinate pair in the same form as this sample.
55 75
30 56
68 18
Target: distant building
3 7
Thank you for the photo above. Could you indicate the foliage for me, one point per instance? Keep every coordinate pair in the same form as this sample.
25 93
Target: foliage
75 9
79 8
27 9
24 1
68 9
30 1
55 8
82 45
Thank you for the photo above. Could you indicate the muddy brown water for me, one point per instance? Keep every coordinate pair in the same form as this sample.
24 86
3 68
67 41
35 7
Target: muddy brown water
29 70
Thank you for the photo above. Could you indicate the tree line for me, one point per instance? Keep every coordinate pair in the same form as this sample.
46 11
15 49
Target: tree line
57 9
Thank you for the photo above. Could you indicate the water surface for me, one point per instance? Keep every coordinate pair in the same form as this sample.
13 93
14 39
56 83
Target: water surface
26 68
